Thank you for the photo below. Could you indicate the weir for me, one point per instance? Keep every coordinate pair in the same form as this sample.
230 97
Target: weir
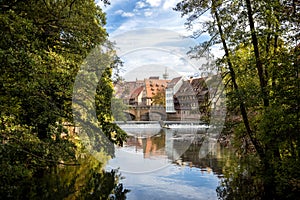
165 122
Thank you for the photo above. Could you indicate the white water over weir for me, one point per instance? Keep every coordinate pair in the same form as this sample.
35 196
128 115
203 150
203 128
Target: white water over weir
157 122
142 127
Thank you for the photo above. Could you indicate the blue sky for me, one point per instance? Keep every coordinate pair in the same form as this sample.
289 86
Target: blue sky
124 15
149 37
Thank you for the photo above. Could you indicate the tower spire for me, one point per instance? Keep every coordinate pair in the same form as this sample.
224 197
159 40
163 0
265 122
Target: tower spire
166 75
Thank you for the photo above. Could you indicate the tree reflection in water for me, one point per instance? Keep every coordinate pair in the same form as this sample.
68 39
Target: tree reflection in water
242 179
245 178
85 181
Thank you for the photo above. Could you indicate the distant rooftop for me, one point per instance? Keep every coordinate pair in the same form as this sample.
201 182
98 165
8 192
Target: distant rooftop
136 92
155 86
174 81
154 77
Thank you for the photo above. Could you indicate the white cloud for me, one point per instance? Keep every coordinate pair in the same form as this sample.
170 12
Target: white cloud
169 4
127 14
151 14
129 33
148 13
154 3
155 48
124 14
140 4
119 12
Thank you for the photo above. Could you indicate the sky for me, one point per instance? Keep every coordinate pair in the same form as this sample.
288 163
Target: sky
125 15
151 37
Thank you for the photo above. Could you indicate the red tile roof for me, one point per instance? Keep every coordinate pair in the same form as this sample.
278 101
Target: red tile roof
136 92
154 86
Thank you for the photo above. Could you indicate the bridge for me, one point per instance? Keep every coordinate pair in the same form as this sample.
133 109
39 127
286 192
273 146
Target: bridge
146 113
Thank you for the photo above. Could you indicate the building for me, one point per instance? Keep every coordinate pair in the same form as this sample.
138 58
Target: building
216 96
190 101
176 99
145 98
201 90
135 98
171 89
123 90
154 87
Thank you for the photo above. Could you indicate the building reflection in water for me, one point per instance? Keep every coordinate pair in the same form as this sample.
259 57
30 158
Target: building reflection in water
183 147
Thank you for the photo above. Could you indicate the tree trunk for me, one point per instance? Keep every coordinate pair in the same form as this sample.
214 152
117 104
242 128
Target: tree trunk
259 66
233 79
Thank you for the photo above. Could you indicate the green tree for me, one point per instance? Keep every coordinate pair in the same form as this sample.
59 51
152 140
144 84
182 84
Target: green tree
160 98
43 45
118 108
260 68
104 105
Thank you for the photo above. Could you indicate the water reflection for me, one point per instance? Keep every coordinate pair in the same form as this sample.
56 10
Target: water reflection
176 163
149 149
86 181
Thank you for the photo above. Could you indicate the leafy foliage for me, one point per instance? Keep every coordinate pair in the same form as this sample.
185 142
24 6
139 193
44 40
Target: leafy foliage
160 98
118 108
104 109
260 68
43 45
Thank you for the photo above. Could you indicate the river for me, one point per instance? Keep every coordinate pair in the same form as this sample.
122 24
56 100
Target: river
181 162
176 163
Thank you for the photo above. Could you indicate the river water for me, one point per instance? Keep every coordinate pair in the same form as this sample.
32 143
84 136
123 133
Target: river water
181 162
